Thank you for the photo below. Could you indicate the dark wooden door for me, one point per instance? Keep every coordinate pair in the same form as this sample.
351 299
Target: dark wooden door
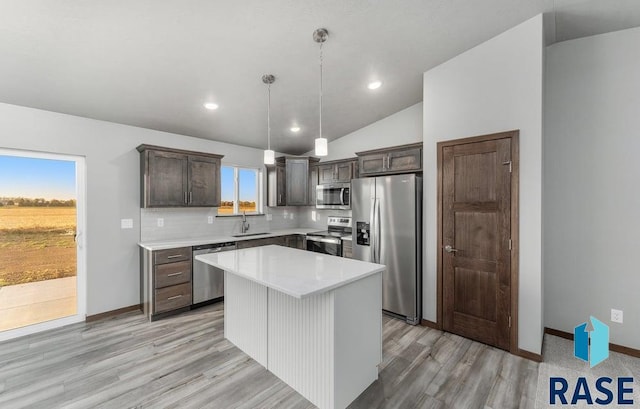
372 163
326 173
297 182
344 171
313 183
476 233
281 185
167 179
405 160
204 185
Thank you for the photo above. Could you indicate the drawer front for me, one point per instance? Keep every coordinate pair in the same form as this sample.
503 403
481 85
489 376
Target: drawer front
171 255
169 274
172 298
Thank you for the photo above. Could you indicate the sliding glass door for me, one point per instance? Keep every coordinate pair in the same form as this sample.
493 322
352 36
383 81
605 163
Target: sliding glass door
42 252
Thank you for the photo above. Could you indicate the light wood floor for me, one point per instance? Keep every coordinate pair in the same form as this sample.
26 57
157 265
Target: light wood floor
185 362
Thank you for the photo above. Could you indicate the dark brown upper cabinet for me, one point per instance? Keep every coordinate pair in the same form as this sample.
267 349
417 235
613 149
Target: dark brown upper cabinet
288 181
177 178
337 171
397 159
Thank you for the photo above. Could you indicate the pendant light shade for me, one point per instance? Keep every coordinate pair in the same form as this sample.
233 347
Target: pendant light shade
269 155
321 148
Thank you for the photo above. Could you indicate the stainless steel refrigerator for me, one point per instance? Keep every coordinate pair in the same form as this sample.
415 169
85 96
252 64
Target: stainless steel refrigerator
387 229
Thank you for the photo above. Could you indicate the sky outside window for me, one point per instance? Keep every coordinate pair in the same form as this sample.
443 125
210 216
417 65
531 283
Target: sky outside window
248 189
227 185
37 178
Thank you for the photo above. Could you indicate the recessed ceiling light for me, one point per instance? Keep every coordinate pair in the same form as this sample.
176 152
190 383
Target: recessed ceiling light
295 129
211 106
374 85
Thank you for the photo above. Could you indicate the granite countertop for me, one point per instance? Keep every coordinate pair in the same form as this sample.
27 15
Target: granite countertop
298 273
172 244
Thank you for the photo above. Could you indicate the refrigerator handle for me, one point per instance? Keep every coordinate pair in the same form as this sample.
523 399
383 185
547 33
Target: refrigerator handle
378 233
372 230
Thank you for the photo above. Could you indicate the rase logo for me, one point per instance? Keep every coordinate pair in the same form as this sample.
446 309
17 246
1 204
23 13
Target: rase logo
599 342
593 353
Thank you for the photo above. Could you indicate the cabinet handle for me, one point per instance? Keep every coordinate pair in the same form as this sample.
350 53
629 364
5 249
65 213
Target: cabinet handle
190 197
185 197
174 256
279 198
174 274
174 297
388 162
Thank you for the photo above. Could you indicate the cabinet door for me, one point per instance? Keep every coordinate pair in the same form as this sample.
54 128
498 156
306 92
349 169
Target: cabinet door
281 185
405 160
204 181
326 174
313 182
166 179
297 182
344 171
374 163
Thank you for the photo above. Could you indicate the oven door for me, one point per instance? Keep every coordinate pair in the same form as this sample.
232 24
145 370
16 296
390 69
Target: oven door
334 196
325 245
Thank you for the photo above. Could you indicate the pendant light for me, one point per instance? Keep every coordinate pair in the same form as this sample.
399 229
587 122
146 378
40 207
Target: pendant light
321 148
269 155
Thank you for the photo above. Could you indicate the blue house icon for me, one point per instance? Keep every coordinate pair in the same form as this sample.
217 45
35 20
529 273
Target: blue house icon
599 350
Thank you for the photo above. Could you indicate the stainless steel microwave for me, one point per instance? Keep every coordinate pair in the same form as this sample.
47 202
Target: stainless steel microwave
333 196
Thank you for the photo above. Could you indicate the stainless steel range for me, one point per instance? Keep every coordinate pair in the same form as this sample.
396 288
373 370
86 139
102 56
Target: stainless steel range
330 241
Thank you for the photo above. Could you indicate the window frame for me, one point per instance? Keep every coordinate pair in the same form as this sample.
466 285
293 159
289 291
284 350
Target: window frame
236 189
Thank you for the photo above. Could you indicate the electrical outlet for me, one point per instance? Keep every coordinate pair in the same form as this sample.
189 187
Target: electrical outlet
616 316
269 217
126 223
210 219
291 216
160 222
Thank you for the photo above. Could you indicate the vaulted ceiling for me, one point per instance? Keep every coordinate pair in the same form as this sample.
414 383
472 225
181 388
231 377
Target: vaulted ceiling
153 63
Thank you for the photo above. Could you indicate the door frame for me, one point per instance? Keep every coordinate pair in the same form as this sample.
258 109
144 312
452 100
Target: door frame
515 230
81 244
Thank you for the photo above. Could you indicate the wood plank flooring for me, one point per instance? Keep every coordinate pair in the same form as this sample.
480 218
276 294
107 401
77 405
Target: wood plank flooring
185 362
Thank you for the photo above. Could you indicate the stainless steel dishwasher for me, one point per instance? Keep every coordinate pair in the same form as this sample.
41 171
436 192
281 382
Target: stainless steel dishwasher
208 281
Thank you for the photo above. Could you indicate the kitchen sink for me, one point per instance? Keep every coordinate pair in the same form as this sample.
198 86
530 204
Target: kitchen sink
249 234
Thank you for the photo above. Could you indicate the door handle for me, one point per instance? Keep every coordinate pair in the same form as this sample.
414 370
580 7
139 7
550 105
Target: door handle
450 249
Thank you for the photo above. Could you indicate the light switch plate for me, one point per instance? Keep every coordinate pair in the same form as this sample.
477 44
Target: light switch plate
269 217
126 223
210 219
160 222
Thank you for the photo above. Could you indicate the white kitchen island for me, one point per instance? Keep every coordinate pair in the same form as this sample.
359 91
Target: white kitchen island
311 319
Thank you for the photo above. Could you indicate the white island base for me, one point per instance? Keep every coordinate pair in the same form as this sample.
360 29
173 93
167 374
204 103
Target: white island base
324 340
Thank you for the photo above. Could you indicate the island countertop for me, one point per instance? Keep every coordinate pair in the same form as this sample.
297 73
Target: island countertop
298 273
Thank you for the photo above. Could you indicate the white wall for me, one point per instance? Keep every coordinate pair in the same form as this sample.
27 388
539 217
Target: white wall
592 189
496 86
400 128
113 192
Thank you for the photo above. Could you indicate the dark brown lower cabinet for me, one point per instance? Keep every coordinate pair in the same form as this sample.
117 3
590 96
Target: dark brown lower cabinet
165 281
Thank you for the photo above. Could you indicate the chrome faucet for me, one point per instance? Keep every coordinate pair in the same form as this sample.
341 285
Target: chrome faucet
245 225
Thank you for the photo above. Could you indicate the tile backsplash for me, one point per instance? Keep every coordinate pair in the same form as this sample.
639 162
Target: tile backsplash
317 218
185 223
